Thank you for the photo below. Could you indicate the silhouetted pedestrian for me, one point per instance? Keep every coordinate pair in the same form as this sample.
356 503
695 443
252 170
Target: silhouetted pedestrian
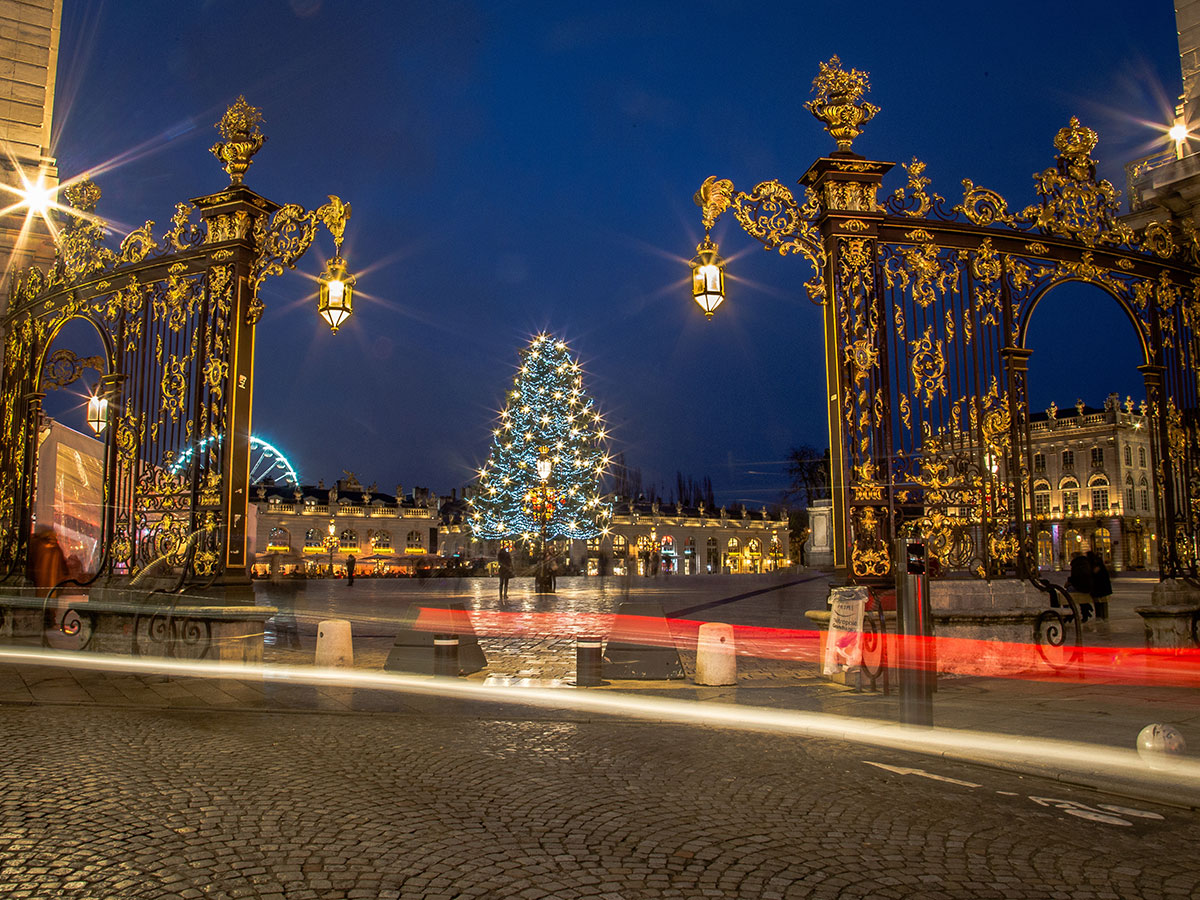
1101 584
350 570
1080 582
504 560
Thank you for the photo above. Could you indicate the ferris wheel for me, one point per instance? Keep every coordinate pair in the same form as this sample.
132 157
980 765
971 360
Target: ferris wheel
266 462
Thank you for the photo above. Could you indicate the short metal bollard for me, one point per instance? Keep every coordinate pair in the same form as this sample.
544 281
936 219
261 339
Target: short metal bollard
445 655
587 661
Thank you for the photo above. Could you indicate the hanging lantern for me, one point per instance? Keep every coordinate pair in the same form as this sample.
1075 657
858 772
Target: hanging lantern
708 277
335 300
97 413
543 468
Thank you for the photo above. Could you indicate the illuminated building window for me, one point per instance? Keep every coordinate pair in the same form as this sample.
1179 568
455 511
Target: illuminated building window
1142 457
620 545
1070 496
348 540
383 540
1068 459
1097 456
1039 462
279 539
1144 490
1129 495
1045 549
313 538
1099 499
733 545
1041 498
1128 455
413 541
593 544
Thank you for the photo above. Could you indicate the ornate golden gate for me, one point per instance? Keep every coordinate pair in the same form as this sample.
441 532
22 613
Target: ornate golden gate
176 316
926 309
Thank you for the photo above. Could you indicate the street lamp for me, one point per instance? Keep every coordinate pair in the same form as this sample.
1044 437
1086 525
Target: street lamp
331 542
97 412
335 298
544 467
708 277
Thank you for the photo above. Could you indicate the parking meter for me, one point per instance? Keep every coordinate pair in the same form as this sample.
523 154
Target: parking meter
914 629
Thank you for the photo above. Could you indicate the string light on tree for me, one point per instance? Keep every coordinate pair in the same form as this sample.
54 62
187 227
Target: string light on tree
512 501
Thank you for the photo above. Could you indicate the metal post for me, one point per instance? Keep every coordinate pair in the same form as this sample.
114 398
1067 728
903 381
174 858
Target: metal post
445 655
587 661
914 629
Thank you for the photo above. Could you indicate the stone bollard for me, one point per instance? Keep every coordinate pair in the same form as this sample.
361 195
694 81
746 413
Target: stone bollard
445 655
334 644
1160 745
716 658
587 661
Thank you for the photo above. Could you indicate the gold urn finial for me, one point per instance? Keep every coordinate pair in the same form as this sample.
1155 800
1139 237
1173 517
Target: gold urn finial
241 138
837 102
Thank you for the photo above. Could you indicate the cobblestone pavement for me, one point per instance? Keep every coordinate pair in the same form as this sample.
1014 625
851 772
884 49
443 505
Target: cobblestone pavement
458 801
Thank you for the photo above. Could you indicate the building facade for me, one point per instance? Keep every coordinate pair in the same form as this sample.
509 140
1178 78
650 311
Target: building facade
1094 485
313 530
648 537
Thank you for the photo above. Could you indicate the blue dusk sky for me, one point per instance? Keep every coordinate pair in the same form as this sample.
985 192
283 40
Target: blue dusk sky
524 167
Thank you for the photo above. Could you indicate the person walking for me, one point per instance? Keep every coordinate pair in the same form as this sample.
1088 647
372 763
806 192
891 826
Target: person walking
1080 582
350 570
1101 585
48 563
504 559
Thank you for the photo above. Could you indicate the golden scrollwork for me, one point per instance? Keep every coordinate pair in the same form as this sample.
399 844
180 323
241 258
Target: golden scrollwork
919 235
335 214
1158 239
183 232
985 264
241 138
1072 202
1126 264
918 181
713 198
923 273
856 225
174 386
863 356
838 102
1037 247
983 206
81 249
928 367
286 237
137 244
1168 293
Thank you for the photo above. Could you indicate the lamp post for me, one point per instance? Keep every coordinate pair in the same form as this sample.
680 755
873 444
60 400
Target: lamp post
331 542
544 583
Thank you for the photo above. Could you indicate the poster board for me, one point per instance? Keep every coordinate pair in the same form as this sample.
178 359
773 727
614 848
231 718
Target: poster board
843 643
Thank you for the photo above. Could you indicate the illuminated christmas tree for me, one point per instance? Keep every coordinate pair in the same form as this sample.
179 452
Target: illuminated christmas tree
542 479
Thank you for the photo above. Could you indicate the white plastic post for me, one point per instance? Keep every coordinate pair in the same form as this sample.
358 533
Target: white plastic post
334 644
716 657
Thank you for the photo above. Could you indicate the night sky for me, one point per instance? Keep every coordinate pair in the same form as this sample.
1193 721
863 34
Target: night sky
520 167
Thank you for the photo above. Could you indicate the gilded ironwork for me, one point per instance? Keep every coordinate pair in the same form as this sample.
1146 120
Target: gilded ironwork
170 310
937 442
838 103
241 138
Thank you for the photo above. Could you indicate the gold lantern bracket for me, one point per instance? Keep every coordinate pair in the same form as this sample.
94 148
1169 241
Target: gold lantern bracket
287 237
